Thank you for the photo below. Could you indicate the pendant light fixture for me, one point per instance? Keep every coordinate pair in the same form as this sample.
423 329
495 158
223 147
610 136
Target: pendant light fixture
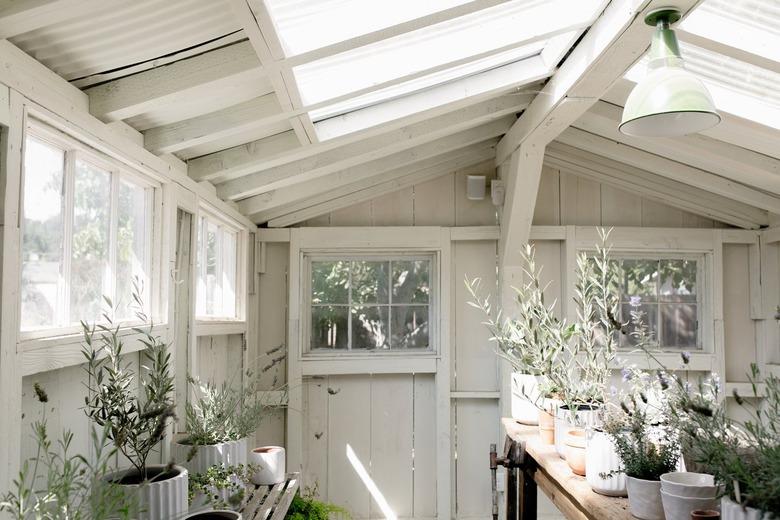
669 101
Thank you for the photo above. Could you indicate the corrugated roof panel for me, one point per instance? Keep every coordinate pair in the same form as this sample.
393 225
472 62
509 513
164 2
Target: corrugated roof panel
120 37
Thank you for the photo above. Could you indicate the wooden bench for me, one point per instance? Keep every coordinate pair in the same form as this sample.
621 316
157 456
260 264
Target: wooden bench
536 465
270 502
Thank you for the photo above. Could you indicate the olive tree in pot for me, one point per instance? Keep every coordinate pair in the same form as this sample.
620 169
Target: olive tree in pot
531 338
220 418
135 424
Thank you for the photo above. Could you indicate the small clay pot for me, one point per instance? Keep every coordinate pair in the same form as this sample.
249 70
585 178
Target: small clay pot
546 427
702 514
575 451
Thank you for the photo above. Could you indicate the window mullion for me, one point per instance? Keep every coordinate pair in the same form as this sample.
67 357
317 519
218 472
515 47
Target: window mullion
390 305
220 273
349 307
67 239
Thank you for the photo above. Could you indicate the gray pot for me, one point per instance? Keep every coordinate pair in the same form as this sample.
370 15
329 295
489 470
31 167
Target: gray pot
587 416
644 498
217 514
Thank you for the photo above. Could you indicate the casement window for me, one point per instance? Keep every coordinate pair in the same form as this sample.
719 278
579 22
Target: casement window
218 254
362 303
666 290
86 236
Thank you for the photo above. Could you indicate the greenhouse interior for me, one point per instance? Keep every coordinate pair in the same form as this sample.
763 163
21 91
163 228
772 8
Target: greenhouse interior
390 260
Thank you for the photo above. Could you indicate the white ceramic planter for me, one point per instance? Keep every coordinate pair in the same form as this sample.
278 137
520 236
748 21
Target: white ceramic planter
271 463
525 397
229 453
601 457
159 499
644 498
217 514
689 484
679 508
730 510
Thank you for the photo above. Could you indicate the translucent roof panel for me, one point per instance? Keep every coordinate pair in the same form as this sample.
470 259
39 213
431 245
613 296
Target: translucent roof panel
737 88
442 46
304 25
749 25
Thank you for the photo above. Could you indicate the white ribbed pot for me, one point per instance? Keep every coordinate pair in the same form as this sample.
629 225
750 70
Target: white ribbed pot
587 416
164 498
644 498
270 461
601 457
229 453
730 510
525 396
217 514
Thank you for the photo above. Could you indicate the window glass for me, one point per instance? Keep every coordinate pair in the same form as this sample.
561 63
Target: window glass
665 292
370 304
85 237
42 240
89 258
218 267
131 245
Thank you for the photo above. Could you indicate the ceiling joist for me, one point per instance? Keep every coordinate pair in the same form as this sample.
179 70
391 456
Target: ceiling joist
196 78
21 16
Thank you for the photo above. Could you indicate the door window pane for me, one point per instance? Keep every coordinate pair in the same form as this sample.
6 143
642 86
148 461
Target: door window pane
89 259
42 240
217 270
386 303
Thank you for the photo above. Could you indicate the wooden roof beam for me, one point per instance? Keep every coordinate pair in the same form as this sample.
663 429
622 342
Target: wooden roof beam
654 187
496 114
669 168
379 186
614 42
278 202
191 78
723 159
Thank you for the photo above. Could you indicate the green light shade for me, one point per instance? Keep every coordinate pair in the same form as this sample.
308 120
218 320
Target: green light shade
669 101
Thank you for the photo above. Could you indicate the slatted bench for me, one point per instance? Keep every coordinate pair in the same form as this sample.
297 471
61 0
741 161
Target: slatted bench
270 502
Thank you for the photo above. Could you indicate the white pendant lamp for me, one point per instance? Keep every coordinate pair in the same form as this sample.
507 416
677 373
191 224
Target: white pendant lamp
669 101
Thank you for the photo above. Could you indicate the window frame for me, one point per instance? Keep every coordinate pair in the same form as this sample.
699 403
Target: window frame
701 287
208 213
367 255
399 255
73 151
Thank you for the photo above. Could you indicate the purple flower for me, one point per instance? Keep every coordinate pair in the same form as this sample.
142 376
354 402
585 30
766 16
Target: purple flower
686 356
635 301
627 375
613 390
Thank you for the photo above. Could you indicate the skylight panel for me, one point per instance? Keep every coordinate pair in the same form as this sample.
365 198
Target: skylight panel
441 46
737 88
304 25
750 25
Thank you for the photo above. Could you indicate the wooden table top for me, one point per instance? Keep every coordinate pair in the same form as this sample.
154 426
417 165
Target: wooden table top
570 493
270 502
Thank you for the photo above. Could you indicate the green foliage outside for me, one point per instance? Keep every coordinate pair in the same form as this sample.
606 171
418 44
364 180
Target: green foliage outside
306 507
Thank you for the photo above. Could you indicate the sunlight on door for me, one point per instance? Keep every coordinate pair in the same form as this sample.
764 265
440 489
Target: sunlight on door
379 498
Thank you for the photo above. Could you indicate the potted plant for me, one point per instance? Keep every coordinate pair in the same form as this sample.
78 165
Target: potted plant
75 487
646 452
743 456
219 487
531 339
135 424
220 418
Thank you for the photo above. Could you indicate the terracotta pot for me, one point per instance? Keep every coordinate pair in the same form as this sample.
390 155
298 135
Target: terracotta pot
575 451
163 498
601 457
644 498
271 465
525 397
704 514
546 427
